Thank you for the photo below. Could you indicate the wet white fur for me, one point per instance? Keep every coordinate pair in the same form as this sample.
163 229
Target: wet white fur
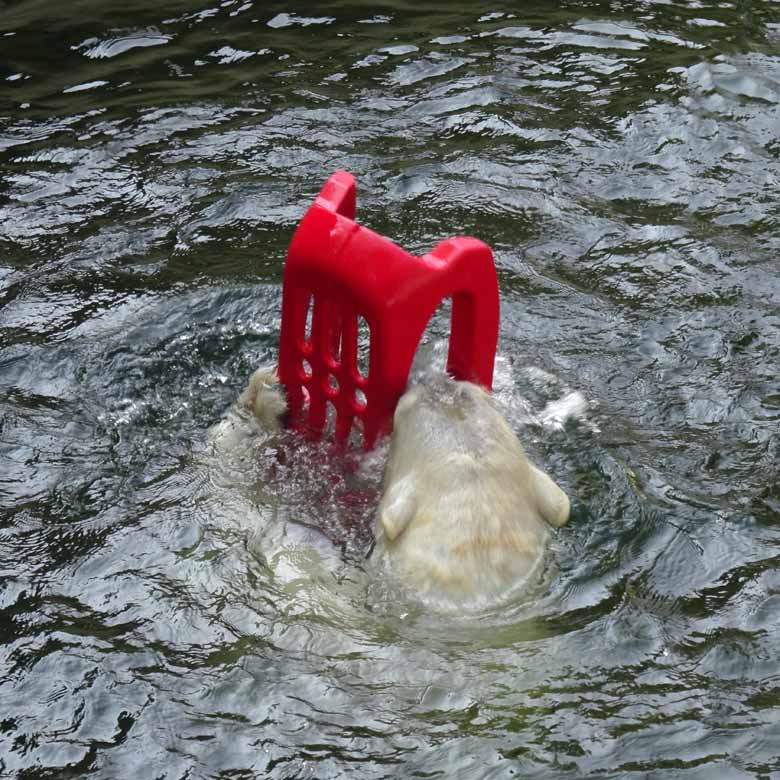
464 516
260 407
300 560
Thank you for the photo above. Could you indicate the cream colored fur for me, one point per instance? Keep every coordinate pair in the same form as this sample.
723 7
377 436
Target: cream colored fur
464 516
260 407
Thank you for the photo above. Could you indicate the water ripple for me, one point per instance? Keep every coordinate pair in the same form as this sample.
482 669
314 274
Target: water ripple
167 613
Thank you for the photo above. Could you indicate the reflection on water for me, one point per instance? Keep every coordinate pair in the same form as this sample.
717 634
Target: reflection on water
166 615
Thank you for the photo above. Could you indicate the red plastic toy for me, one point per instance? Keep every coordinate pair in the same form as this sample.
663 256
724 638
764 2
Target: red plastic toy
337 272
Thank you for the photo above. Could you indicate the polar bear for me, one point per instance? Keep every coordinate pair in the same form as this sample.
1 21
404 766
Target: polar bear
464 516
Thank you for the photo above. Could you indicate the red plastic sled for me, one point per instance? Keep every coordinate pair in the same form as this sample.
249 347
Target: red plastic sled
337 272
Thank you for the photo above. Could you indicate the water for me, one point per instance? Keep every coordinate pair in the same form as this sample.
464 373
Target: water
167 615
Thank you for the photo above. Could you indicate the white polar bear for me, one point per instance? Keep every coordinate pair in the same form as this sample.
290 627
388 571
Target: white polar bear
464 516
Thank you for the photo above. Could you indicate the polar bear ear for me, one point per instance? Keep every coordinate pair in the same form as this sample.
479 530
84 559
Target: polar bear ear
398 507
552 502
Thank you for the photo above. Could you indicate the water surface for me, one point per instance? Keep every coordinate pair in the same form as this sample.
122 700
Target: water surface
166 615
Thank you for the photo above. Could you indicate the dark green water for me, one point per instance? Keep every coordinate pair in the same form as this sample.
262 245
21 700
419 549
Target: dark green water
623 161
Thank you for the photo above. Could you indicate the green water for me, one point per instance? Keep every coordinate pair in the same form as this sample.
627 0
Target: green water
622 161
